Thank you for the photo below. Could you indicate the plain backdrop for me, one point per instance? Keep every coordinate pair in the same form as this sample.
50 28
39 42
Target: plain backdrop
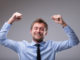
32 9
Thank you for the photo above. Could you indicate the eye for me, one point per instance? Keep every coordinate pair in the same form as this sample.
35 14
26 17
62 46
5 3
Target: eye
35 28
42 29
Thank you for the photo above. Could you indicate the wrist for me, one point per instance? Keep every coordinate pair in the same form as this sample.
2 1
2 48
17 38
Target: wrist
64 24
11 20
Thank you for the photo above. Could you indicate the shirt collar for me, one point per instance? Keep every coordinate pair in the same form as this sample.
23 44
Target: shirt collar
33 43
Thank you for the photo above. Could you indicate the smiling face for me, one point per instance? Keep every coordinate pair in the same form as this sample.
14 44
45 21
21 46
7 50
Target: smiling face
38 31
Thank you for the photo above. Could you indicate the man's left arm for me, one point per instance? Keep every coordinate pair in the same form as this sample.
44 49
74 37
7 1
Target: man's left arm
72 38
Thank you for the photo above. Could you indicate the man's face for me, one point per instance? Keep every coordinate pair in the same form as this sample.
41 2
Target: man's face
38 31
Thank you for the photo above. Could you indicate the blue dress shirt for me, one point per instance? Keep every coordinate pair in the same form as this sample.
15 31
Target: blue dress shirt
48 49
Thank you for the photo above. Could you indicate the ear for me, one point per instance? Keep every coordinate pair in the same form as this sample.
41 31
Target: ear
30 31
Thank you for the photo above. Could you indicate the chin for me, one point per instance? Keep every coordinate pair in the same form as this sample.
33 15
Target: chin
38 39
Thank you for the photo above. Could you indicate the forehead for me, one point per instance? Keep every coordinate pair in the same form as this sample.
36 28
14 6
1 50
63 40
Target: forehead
39 25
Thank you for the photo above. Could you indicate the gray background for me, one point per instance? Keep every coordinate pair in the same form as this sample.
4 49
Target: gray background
32 9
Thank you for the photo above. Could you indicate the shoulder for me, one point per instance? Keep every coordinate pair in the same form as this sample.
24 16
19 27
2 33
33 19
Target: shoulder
23 43
50 42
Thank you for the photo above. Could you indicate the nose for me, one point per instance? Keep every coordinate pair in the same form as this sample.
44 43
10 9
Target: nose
38 30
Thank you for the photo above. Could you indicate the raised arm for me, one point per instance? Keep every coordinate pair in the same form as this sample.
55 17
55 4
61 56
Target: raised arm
72 38
4 30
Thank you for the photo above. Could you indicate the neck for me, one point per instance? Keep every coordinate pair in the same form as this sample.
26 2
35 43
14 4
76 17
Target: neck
37 41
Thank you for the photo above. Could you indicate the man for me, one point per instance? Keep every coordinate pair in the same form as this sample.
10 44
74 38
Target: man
46 49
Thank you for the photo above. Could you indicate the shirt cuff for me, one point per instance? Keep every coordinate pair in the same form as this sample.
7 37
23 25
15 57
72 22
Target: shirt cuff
67 29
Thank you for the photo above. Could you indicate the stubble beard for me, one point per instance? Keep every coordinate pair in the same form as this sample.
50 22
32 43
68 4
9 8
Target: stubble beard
37 40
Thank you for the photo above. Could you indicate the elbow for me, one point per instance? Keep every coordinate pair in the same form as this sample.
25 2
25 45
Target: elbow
2 36
76 42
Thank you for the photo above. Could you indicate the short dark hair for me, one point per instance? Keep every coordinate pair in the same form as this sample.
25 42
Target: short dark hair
40 20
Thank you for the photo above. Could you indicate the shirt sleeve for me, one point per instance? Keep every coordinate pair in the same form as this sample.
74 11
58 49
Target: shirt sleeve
5 41
72 40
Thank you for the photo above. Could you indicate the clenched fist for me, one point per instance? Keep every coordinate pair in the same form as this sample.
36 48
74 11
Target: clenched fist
58 19
15 17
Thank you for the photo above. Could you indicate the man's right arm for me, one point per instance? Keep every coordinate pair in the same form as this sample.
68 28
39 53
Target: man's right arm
4 30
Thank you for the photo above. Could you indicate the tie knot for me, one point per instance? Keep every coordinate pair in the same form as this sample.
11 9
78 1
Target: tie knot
38 45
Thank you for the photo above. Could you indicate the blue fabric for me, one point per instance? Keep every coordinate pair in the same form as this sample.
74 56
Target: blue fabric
27 51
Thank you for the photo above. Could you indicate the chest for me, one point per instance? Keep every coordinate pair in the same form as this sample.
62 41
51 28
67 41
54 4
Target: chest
30 52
